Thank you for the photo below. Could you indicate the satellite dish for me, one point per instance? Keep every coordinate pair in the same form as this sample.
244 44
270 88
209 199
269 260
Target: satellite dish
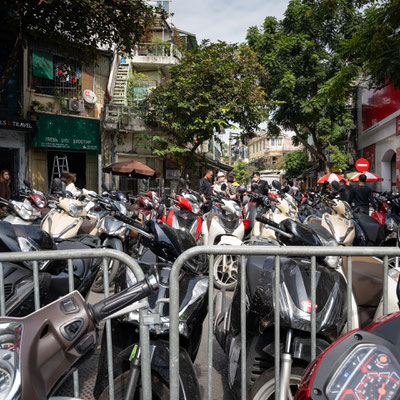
89 96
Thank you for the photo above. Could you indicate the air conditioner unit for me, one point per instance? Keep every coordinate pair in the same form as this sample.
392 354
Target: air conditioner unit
76 105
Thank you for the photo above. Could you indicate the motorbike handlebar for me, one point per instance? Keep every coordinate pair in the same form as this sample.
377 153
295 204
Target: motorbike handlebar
267 221
109 306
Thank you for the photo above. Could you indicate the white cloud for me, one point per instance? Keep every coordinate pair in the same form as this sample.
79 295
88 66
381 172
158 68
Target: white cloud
226 20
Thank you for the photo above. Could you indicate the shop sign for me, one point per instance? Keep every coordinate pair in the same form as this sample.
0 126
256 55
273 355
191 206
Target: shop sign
16 124
59 132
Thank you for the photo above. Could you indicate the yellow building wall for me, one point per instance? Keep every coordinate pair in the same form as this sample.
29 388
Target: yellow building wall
91 171
37 169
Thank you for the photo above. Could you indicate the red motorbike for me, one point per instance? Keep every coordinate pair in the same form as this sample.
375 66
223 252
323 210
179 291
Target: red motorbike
361 365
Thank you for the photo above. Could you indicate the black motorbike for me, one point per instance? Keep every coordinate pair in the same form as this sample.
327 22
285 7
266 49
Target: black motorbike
53 274
295 311
162 245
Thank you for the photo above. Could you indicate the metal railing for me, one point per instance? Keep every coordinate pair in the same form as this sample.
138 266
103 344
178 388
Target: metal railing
69 255
277 252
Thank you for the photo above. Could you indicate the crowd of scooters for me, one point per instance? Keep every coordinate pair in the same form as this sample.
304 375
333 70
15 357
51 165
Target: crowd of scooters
155 230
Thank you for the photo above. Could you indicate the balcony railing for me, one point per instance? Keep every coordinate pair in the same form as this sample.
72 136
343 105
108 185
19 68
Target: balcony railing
157 50
118 117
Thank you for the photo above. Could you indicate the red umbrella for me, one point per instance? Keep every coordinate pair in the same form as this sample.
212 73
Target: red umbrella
330 178
370 177
131 168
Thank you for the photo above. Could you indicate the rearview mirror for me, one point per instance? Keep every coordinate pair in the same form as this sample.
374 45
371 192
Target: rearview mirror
223 187
27 184
277 185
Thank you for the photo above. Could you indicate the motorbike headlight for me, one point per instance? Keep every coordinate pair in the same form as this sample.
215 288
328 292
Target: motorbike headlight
40 203
10 368
74 209
27 245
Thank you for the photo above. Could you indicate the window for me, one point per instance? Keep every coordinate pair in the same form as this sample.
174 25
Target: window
53 74
264 144
163 4
276 142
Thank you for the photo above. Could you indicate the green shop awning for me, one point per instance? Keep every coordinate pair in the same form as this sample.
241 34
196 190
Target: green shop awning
59 132
42 64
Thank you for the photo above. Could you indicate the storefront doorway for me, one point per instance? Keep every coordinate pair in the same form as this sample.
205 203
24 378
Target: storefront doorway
76 164
9 159
388 170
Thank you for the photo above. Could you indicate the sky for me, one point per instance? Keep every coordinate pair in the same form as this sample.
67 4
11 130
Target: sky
226 20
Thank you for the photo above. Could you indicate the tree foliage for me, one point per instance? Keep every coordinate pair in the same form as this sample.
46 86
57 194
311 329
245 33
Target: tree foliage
216 86
295 163
242 171
76 27
300 54
372 51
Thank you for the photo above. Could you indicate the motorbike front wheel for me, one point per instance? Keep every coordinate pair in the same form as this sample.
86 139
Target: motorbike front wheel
112 264
264 387
160 390
226 269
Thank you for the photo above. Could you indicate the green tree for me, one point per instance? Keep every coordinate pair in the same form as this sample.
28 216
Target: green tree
300 54
77 27
372 51
242 171
216 86
295 163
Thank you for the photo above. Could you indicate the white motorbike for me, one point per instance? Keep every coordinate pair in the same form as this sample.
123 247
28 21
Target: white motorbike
223 225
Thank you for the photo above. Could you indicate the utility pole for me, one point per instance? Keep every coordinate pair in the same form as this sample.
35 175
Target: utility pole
230 148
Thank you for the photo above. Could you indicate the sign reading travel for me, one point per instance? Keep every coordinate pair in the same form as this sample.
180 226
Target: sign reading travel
362 165
17 124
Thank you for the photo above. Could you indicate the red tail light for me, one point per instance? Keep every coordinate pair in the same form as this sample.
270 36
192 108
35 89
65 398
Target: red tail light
246 223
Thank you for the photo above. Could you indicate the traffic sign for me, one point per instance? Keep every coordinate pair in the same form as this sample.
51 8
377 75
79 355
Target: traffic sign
362 165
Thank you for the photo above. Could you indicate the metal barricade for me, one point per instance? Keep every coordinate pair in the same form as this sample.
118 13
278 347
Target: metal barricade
277 252
69 255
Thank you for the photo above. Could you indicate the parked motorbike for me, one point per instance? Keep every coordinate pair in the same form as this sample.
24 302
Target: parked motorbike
185 213
53 276
19 212
295 311
163 245
40 350
223 226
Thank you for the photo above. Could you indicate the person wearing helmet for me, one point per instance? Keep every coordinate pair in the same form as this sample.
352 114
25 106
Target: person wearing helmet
220 185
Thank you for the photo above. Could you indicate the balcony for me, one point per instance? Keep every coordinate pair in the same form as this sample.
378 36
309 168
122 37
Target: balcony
123 118
148 55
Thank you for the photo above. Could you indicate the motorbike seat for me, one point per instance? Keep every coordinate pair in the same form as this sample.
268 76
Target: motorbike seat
371 227
88 225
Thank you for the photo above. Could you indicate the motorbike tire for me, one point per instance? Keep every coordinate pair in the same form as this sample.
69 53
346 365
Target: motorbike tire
223 278
160 390
113 267
264 387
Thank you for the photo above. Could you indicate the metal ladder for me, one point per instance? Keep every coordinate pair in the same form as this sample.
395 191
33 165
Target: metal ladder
59 164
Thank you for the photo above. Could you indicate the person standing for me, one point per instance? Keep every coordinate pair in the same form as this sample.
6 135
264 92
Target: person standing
205 189
345 192
5 180
262 186
232 188
362 196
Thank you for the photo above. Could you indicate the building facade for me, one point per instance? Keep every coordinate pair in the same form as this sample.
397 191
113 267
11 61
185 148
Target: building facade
265 152
378 141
